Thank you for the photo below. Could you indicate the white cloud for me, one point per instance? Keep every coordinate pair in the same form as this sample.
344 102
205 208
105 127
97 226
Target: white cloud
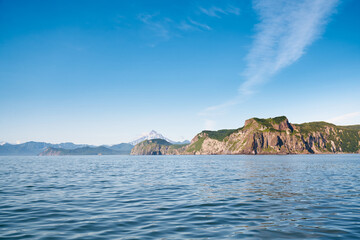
159 26
200 25
218 12
285 30
191 25
164 28
349 118
213 11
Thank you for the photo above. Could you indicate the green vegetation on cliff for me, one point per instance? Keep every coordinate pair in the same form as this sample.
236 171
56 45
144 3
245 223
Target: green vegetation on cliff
352 127
347 138
196 146
220 134
266 136
269 122
307 128
178 146
157 141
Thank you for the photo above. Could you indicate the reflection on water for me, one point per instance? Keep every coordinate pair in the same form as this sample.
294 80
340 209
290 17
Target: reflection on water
174 197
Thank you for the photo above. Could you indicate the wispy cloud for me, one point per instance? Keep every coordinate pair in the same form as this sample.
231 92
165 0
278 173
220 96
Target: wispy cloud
163 28
159 26
346 118
285 30
213 11
218 12
192 25
199 25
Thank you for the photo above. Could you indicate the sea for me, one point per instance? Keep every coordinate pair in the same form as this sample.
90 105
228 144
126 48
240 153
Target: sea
180 197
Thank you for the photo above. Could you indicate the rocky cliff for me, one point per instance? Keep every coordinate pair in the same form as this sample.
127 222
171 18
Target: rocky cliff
267 136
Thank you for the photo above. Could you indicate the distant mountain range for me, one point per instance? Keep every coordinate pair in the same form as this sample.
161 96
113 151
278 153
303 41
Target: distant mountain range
123 150
33 148
68 148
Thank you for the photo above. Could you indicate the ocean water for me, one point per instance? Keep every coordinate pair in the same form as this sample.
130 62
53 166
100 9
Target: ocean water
180 197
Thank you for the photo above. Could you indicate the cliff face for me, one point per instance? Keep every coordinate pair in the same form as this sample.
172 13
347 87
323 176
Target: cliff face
270 136
258 136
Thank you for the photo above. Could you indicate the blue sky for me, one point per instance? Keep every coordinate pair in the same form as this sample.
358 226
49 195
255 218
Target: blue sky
104 72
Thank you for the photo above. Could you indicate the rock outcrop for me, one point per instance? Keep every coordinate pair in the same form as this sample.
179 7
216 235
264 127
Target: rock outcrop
265 136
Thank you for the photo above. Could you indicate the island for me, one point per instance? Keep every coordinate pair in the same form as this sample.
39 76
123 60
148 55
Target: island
263 136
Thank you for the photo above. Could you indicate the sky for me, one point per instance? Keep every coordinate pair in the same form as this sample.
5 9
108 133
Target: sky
105 72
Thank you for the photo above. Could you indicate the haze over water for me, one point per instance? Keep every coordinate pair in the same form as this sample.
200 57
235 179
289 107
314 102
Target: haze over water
180 197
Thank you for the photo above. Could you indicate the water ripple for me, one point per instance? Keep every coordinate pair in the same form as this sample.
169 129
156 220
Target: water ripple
180 197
